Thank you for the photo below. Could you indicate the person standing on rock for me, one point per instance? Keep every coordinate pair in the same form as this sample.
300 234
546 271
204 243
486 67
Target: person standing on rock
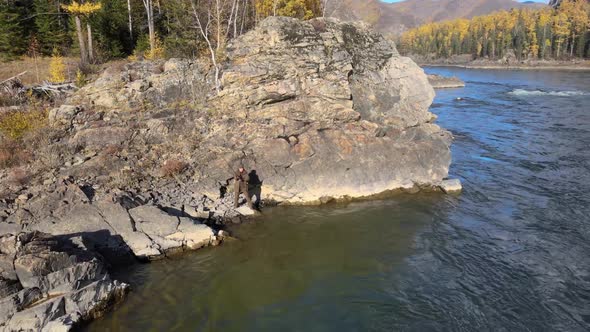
241 179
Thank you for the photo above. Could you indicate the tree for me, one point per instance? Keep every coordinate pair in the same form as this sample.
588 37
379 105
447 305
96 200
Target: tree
149 9
83 10
302 9
33 52
57 68
544 23
577 14
561 28
532 34
50 25
11 32
204 24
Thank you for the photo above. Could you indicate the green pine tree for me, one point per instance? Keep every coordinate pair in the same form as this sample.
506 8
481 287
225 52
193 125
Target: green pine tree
52 28
11 33
111 31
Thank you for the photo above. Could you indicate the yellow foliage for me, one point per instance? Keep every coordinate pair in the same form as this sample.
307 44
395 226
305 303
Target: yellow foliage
84 9
57 68
16 124
133 57
533 33
302 9
80 78
157 52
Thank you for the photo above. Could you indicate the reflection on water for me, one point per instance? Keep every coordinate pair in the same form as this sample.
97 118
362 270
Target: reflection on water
511 253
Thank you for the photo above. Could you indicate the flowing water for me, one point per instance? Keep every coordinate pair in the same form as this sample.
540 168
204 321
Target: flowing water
511 253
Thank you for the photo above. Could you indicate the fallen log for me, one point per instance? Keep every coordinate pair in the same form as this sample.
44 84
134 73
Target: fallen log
53 90
13 77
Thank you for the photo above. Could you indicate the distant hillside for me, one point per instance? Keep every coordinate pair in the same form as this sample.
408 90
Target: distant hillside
395 18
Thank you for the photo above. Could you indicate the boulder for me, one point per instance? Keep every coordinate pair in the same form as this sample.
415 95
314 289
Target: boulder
100 137
324 108
58 284
169 232
63 115
442 82
451 186
246 211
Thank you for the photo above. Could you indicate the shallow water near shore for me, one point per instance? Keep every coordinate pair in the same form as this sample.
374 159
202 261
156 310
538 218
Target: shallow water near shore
512 252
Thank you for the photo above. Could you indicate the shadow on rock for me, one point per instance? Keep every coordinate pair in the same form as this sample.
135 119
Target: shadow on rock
255 188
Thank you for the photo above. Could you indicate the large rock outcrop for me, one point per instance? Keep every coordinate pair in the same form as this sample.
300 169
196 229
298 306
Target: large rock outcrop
323 108
51 283
116 226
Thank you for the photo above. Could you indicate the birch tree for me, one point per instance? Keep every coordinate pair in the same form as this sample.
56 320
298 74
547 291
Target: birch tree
149 9
83 10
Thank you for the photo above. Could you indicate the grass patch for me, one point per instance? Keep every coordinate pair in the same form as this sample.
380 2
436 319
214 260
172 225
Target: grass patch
36 71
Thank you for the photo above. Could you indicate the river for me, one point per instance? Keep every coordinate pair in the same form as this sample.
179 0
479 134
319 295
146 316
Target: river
511 253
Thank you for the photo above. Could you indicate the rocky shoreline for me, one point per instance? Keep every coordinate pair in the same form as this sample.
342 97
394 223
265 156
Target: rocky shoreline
508 62
135 166
569 67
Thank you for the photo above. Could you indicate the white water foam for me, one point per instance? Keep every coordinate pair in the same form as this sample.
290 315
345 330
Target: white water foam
527 93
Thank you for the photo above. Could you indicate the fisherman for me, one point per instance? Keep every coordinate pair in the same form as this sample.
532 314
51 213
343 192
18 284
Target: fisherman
241 179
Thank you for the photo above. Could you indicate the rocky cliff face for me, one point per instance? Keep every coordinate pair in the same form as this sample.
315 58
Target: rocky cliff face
327 109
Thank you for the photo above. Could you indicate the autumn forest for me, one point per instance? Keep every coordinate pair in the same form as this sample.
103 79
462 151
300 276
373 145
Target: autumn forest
548 33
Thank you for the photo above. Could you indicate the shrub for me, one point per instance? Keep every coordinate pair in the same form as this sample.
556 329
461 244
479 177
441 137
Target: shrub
172 167
158 52
143 50
80 78
15 124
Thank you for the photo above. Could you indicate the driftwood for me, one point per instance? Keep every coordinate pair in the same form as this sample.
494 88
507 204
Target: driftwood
13 78
53 90
14 92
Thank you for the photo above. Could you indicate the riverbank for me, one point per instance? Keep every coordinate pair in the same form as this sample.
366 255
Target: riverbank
508 63
570 67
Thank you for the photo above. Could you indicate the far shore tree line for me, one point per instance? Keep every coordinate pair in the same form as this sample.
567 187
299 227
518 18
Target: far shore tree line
547 33
101 30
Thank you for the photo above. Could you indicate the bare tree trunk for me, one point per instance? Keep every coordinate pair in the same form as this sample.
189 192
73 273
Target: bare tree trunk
325 8
204 29
149 9
130 20
83 53
218 13
244 16
572 46
90 46
230 19
236 18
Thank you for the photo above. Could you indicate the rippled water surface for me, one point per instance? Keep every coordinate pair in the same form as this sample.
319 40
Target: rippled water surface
511 253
